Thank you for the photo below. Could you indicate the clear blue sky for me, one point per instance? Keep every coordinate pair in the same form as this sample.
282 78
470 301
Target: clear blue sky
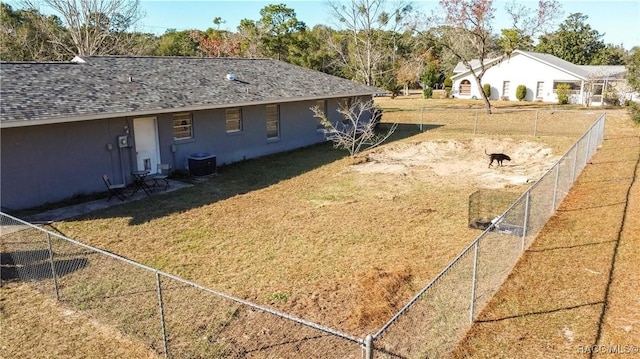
618 20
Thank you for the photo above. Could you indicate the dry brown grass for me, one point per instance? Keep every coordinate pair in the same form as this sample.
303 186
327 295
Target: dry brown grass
382 293
577 285
302 233
33 325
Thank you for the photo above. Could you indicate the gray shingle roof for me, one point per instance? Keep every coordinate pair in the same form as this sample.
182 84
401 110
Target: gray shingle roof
557 63
109 86
460 67
605 71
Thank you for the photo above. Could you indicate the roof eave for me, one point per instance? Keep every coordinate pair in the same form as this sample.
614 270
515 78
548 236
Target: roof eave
102 116
467 71
580 77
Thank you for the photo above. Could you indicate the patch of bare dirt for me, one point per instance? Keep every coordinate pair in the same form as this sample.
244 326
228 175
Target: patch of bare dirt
462 162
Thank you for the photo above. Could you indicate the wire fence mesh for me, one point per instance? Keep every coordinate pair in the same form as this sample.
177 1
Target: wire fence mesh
430 325
120 294
203 324
175 317
28 258
181 319
539 122
434 319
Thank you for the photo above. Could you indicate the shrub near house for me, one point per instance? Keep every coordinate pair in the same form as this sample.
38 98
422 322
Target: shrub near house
447 86
521 92
486 88
563 91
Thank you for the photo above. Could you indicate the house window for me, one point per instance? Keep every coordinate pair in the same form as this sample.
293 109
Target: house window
182 126
574 85
322 106
234 120
273 122
540 90
505 89
465 88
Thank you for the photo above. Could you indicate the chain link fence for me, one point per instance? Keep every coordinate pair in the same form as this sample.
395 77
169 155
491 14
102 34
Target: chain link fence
538 122
181 319
430 325
175 317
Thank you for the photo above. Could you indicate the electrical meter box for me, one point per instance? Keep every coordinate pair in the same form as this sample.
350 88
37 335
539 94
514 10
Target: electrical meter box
123 141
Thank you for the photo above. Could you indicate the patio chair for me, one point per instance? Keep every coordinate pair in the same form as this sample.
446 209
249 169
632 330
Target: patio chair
115 190
162 177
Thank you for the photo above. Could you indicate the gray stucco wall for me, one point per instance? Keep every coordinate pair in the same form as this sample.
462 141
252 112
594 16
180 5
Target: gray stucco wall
50 163
297 129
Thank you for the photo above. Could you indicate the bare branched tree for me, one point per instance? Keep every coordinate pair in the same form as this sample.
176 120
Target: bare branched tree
25 35
526 24
466 32
357 132
464 28
529 22
96 27
366 26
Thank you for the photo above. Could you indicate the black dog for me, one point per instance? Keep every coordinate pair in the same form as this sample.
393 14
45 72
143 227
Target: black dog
498 157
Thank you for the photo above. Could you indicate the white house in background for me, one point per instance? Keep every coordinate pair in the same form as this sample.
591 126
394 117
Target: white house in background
541 74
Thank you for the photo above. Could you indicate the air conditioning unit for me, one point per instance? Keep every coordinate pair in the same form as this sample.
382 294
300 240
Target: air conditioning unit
202 164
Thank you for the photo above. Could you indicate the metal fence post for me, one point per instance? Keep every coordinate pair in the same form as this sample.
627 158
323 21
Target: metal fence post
161 307
535 124
475 124
555 187
53 267
368 347
473 282
525 224
594 132
421 117
588 150
575 160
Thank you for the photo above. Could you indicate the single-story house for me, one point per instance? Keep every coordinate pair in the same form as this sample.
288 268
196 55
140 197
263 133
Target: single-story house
65 124
541 74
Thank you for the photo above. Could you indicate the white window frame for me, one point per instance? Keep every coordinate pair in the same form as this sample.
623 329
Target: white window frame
182 124
540 90
233 119
506 88
467 87
273 122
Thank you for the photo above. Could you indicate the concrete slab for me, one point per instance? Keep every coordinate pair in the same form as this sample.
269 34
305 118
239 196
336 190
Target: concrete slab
59 214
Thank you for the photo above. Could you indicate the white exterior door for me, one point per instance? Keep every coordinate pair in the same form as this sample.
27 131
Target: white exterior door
145 130
596 94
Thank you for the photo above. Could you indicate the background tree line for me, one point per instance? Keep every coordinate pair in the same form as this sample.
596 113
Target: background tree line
390 45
